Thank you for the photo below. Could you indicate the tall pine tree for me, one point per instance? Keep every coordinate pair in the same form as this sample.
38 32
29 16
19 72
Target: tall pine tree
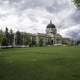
11 37
7 37
1 36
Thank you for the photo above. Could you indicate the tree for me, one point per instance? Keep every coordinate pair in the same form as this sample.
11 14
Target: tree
40 41
4 41
1 37
11 37
28 40
77 3
7 37
19 39
78 42
33 41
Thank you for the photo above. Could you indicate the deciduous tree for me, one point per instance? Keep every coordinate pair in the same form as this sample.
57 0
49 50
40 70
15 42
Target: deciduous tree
77 3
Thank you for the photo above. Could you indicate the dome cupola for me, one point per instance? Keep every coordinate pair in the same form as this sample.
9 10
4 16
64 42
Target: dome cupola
51 28
50 25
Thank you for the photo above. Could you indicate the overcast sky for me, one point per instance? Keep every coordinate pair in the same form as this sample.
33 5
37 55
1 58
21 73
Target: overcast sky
34 15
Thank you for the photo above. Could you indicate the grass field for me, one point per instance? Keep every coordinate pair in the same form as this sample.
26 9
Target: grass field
40 63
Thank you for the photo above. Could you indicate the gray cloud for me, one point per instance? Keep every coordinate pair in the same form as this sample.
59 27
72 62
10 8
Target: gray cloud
76 17
74 34
34 15
50 5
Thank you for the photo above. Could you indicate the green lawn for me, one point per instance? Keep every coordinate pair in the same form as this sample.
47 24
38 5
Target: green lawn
40 63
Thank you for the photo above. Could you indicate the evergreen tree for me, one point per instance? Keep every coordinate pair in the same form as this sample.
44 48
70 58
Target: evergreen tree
78 42
11 37
19 39
7 37
1 37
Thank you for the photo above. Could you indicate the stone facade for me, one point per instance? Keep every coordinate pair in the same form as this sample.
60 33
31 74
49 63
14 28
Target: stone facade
51 37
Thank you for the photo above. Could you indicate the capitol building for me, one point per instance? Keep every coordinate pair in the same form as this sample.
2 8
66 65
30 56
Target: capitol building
51 37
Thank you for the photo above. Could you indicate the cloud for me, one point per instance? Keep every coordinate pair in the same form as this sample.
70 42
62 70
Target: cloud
72 32
34 15
76 17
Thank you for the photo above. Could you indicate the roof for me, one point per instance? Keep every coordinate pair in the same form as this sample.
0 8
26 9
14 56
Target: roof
50 25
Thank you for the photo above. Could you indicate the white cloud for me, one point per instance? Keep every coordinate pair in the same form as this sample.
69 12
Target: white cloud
34 15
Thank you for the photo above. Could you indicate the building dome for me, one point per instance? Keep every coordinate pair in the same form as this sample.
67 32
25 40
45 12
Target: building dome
50 25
